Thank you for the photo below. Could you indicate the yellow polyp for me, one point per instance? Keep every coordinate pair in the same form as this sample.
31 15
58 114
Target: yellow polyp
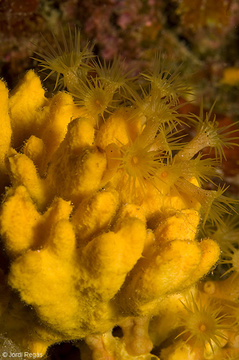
164 174
135 160
169 311
202 327
230 76
225 290
177 202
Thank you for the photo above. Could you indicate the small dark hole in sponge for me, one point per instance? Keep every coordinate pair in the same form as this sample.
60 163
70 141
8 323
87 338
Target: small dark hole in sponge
117 332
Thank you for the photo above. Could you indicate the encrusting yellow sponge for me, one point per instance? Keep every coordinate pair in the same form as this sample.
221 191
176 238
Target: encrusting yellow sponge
5 131
96 223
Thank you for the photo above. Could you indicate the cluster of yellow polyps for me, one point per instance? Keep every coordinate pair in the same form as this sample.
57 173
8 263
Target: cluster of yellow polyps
99 220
